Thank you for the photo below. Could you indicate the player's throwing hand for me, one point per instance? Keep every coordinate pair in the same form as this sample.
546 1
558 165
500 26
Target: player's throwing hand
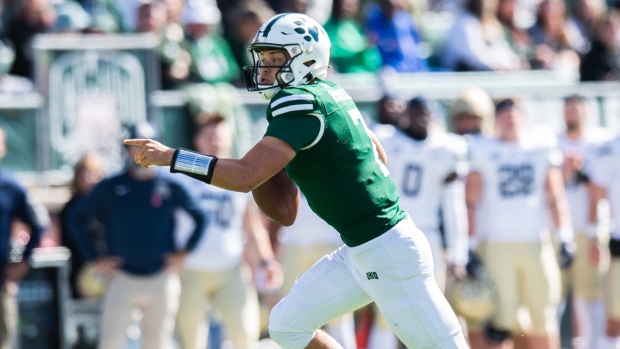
151 152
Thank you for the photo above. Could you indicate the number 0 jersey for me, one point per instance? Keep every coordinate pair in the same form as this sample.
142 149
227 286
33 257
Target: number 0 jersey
513 200
337 165
420 169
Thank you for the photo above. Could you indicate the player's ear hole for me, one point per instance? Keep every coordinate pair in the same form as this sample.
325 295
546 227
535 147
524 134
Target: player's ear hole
309 63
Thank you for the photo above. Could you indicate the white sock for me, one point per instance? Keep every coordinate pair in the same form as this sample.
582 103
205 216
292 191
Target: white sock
382 338
343 331
592 320
608 343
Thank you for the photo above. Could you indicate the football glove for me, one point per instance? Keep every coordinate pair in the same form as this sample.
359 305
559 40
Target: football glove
567 254
474 266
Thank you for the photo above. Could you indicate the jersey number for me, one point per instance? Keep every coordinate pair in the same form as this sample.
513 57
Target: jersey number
222 210
412 180
357 118
515 180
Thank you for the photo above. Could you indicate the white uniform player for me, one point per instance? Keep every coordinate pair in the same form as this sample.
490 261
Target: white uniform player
301 246
585 277
425 173
512 180
604 174
215 273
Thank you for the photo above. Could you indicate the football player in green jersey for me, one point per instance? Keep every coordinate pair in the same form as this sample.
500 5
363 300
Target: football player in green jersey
317 141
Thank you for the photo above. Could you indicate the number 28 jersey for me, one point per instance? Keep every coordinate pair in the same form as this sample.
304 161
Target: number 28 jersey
337 166
513 188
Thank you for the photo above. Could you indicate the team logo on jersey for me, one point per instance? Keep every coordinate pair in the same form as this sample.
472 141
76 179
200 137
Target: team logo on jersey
161 192
371 275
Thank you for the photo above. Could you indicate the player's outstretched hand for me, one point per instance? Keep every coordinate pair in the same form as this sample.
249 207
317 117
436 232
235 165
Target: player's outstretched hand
151 152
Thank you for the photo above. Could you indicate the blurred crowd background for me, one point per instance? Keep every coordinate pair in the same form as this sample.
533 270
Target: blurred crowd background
75 76
205 41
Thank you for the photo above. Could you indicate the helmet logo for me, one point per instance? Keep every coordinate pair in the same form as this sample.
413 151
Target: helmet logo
314 31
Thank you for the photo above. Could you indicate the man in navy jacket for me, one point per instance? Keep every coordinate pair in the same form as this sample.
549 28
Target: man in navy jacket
142 261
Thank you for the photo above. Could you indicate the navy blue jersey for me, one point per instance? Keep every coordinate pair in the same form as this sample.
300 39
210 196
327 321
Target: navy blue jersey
137 218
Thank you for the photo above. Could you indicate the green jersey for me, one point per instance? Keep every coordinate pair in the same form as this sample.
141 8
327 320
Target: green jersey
337 166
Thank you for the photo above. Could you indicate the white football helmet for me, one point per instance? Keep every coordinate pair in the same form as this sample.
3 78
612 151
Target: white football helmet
306 43
90 282
473 297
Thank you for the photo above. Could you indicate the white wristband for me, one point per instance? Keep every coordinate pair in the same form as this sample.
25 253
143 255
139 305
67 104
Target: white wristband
565 234
592 231
473 243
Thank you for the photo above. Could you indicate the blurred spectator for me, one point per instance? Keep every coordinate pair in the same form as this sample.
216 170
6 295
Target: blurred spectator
320 10
70 18
556 40
602 62
215 274
152 16
249 17
391 111
128 12
472 113
174 9
476 41
212 60
104 21
86 174
141 262
516 36
587 16
31 17
14 205
297 6
11 83
392 30
350 52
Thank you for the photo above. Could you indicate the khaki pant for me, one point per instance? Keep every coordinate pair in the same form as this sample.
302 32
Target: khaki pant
585 279
8 315
524 274
158 298
232 295
614 289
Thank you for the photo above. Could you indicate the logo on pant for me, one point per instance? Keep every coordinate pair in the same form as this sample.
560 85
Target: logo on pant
371 275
